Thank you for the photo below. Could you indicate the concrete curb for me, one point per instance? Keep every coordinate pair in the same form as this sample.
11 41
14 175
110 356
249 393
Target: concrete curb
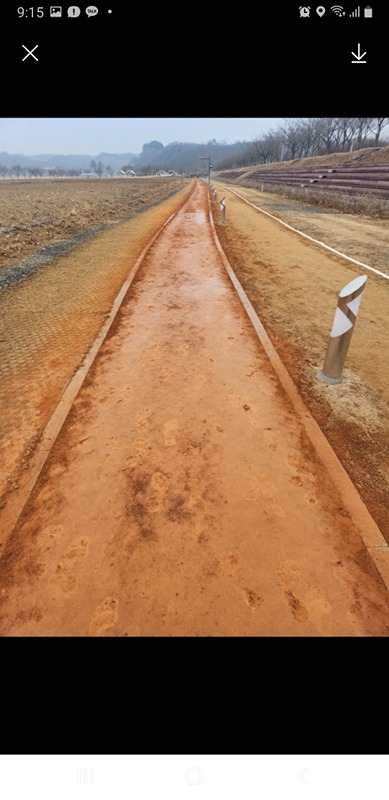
370 534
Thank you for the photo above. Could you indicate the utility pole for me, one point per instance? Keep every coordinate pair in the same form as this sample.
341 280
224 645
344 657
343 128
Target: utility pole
208 158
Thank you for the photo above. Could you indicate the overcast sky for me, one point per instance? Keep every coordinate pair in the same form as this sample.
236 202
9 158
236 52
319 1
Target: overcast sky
121 135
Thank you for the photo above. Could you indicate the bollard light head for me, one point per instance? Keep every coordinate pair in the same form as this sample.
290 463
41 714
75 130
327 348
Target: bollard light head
354 286
348 304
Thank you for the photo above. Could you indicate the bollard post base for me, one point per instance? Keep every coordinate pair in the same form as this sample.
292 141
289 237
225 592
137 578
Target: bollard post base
321 376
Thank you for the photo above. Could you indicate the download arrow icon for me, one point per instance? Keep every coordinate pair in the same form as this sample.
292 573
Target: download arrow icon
359 56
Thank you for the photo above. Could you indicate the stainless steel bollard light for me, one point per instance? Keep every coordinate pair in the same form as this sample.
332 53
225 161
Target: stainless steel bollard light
223 209
343 325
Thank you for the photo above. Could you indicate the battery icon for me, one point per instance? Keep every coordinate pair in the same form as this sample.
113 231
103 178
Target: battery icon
368 11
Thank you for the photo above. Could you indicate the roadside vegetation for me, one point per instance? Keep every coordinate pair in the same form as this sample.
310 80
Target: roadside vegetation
367 204
316 136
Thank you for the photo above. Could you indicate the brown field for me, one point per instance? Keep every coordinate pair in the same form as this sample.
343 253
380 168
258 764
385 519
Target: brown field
50 210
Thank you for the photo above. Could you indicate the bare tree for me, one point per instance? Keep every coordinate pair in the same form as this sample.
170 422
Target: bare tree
255 153
3 170
35 172
344 133
361 128
291 138
376 125
327 128
306 137
272 147
299 138
17 169
99 168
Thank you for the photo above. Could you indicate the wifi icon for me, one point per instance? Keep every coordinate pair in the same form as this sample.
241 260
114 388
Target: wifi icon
338 10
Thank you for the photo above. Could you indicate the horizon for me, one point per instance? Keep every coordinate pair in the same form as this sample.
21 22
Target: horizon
85 136
111 152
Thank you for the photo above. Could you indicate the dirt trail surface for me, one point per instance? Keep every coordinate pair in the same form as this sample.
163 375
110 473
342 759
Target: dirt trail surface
183 496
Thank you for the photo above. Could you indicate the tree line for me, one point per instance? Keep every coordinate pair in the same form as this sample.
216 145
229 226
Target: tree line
294 139
97 168
316 136
55 172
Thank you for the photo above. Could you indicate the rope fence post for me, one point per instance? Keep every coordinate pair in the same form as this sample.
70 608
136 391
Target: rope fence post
342 328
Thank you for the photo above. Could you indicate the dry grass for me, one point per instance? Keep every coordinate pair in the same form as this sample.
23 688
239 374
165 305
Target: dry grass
367 155
369 205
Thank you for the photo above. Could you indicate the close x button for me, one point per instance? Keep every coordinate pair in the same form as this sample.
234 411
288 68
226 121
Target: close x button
30 52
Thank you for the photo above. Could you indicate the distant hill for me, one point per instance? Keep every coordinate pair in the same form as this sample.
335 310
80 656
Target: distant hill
183 156
180 156
115 160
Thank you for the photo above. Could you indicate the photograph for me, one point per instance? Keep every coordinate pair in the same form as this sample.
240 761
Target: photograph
194 401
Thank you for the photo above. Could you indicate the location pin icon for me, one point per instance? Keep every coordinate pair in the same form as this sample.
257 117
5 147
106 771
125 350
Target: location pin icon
320 10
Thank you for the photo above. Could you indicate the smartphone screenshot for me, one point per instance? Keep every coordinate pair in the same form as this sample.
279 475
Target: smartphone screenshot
193 294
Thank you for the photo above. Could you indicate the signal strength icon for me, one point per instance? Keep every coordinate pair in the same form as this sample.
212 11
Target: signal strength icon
338 10
356 13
